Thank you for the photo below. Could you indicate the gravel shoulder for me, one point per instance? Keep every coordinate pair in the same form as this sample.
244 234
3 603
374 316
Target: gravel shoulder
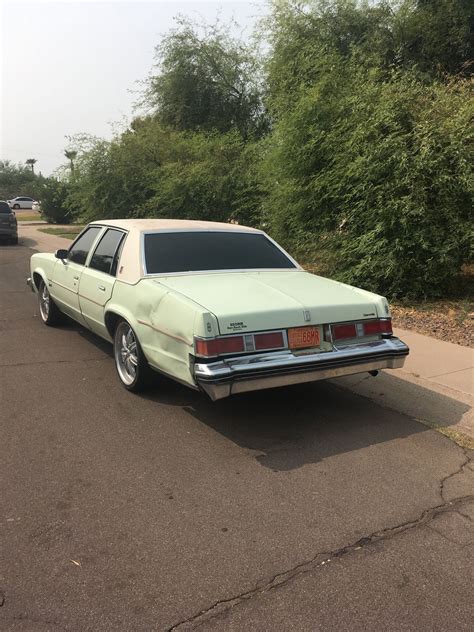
451 321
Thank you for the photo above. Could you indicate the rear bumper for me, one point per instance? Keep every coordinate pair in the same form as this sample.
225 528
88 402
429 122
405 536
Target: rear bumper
249 373
8 231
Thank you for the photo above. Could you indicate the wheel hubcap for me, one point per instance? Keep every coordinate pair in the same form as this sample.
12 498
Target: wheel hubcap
126 353
44 303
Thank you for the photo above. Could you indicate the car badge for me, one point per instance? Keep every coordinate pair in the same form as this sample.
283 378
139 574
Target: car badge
307 316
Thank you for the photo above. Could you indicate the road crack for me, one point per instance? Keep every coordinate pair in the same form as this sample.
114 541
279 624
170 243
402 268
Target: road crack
320 559
466 463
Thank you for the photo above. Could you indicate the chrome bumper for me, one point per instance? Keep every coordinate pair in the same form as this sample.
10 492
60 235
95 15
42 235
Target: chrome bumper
30 284
267 370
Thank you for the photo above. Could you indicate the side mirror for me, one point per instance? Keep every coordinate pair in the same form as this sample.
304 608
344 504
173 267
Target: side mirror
61 254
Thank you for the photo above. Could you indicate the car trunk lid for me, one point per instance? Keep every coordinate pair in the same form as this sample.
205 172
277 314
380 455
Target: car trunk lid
259 301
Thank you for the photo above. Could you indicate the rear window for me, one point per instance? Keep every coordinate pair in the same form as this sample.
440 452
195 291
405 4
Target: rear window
199 251
4 208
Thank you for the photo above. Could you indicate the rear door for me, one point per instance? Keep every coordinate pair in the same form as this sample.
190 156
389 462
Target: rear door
98 279
67 273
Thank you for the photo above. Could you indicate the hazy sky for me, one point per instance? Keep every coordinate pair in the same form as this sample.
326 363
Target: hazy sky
69 66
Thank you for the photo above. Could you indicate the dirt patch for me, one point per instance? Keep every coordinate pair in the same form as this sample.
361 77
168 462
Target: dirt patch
451 321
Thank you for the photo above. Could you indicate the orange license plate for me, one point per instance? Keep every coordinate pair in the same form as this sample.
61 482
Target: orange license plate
300 337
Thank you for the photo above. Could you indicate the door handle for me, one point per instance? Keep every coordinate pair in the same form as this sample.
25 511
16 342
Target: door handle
76 278
102 288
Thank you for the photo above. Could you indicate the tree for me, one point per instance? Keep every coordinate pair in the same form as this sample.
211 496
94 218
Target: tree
71 155
31 163
206 82
17 180
438 35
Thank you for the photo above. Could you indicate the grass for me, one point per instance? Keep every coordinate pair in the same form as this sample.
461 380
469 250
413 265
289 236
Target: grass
68 232
35 217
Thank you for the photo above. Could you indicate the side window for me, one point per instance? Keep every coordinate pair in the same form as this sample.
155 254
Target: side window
104 255
118 254
80 248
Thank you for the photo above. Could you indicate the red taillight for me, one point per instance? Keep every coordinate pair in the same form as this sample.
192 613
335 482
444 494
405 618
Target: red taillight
219 346
376 327
273 340
339 332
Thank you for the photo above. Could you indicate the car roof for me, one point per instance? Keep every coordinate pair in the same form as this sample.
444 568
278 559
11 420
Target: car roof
145 225
131 265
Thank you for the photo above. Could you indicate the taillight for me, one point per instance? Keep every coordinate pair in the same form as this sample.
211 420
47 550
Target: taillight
377 327
219 346
360 329
248 343
272 340
339 332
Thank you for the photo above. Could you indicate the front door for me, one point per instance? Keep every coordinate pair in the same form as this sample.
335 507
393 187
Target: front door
98 279
67 274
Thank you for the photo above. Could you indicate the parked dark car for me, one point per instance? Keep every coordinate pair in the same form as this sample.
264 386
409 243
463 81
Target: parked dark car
8 223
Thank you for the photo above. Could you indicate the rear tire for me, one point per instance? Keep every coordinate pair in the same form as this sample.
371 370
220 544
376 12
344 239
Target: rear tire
49 312
132 367
14 241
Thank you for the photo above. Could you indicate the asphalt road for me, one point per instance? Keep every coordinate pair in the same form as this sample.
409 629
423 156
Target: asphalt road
306 508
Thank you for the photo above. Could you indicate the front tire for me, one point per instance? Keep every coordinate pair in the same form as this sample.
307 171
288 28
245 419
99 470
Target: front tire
16 206
130 362
49 312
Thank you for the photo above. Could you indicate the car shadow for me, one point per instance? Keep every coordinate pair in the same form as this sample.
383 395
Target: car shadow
287 428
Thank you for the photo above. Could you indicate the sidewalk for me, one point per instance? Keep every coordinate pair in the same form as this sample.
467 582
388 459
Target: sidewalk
31 236
438 362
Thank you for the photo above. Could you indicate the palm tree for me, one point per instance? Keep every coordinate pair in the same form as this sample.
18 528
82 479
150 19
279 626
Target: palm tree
31 163
71 155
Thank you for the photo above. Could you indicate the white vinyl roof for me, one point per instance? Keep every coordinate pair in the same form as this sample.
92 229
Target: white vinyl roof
130 268
171 224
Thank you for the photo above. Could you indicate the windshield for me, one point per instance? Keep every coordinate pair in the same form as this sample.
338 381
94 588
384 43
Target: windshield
200 251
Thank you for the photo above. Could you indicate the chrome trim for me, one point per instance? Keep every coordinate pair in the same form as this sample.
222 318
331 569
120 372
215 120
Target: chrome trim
268 370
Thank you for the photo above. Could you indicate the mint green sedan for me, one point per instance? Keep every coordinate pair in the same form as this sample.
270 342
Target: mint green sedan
217 307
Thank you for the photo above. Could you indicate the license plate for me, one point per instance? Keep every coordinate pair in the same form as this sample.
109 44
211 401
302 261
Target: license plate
300 337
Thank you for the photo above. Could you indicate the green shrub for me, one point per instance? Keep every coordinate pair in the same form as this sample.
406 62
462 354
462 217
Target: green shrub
373 175
54 201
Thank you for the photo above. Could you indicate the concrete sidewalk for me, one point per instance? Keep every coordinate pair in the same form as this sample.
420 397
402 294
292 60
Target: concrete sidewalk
440 363
30 235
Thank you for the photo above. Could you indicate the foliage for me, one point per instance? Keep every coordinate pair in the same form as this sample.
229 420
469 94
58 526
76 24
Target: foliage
154 171
206 82
18 180
368 169
54 202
